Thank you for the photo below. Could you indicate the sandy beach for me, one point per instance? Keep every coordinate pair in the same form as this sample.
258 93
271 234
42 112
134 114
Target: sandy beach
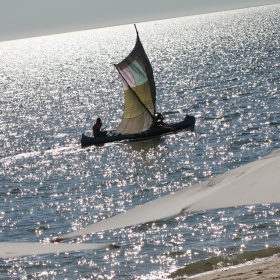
267 268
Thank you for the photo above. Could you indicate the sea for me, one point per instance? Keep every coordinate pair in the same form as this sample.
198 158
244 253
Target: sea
222 68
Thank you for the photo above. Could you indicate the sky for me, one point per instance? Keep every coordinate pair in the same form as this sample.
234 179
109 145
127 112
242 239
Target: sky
31 18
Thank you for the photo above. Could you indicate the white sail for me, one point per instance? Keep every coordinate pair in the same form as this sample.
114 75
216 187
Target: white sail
254 183
19 249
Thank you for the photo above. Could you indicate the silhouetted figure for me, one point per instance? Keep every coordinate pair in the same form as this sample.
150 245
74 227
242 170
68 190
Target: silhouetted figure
96 129
159 119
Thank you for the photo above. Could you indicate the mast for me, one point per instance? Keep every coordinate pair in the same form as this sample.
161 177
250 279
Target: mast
136 29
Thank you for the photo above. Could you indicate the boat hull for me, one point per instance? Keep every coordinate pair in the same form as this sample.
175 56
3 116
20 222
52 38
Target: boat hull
188 122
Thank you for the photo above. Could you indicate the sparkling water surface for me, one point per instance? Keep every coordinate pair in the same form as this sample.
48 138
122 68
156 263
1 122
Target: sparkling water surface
222 68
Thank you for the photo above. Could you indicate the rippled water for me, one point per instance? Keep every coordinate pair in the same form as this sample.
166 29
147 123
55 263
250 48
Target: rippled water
222 68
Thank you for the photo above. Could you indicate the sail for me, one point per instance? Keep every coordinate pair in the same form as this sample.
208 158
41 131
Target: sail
139 91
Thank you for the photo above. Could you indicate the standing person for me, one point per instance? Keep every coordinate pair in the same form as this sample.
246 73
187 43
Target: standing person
96 129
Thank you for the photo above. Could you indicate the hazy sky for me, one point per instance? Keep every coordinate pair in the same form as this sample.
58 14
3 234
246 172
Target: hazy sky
29 18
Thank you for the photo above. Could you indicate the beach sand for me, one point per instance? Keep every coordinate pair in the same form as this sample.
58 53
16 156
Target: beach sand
267 268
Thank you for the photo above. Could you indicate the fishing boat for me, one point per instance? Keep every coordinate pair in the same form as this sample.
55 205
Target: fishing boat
139 119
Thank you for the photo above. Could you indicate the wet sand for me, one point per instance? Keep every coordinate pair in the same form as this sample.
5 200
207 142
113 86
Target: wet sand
267 268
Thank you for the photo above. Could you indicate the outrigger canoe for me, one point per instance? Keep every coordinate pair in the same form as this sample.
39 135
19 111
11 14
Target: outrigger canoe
187 123
138 121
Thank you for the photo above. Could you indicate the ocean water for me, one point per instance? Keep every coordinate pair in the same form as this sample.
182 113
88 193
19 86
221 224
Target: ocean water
222 68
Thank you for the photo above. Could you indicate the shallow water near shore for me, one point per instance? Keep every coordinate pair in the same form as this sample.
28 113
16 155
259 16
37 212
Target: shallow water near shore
222 68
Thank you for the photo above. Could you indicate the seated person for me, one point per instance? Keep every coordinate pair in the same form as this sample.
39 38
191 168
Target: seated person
159 119
96 129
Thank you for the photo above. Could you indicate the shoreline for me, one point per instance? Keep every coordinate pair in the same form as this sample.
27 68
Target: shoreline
265 268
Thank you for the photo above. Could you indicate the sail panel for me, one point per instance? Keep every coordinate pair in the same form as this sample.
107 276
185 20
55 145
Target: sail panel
138 73
139 91
133 76
133 107
127 78
136 124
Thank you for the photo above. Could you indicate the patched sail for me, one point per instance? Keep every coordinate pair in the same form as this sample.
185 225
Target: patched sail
139 91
